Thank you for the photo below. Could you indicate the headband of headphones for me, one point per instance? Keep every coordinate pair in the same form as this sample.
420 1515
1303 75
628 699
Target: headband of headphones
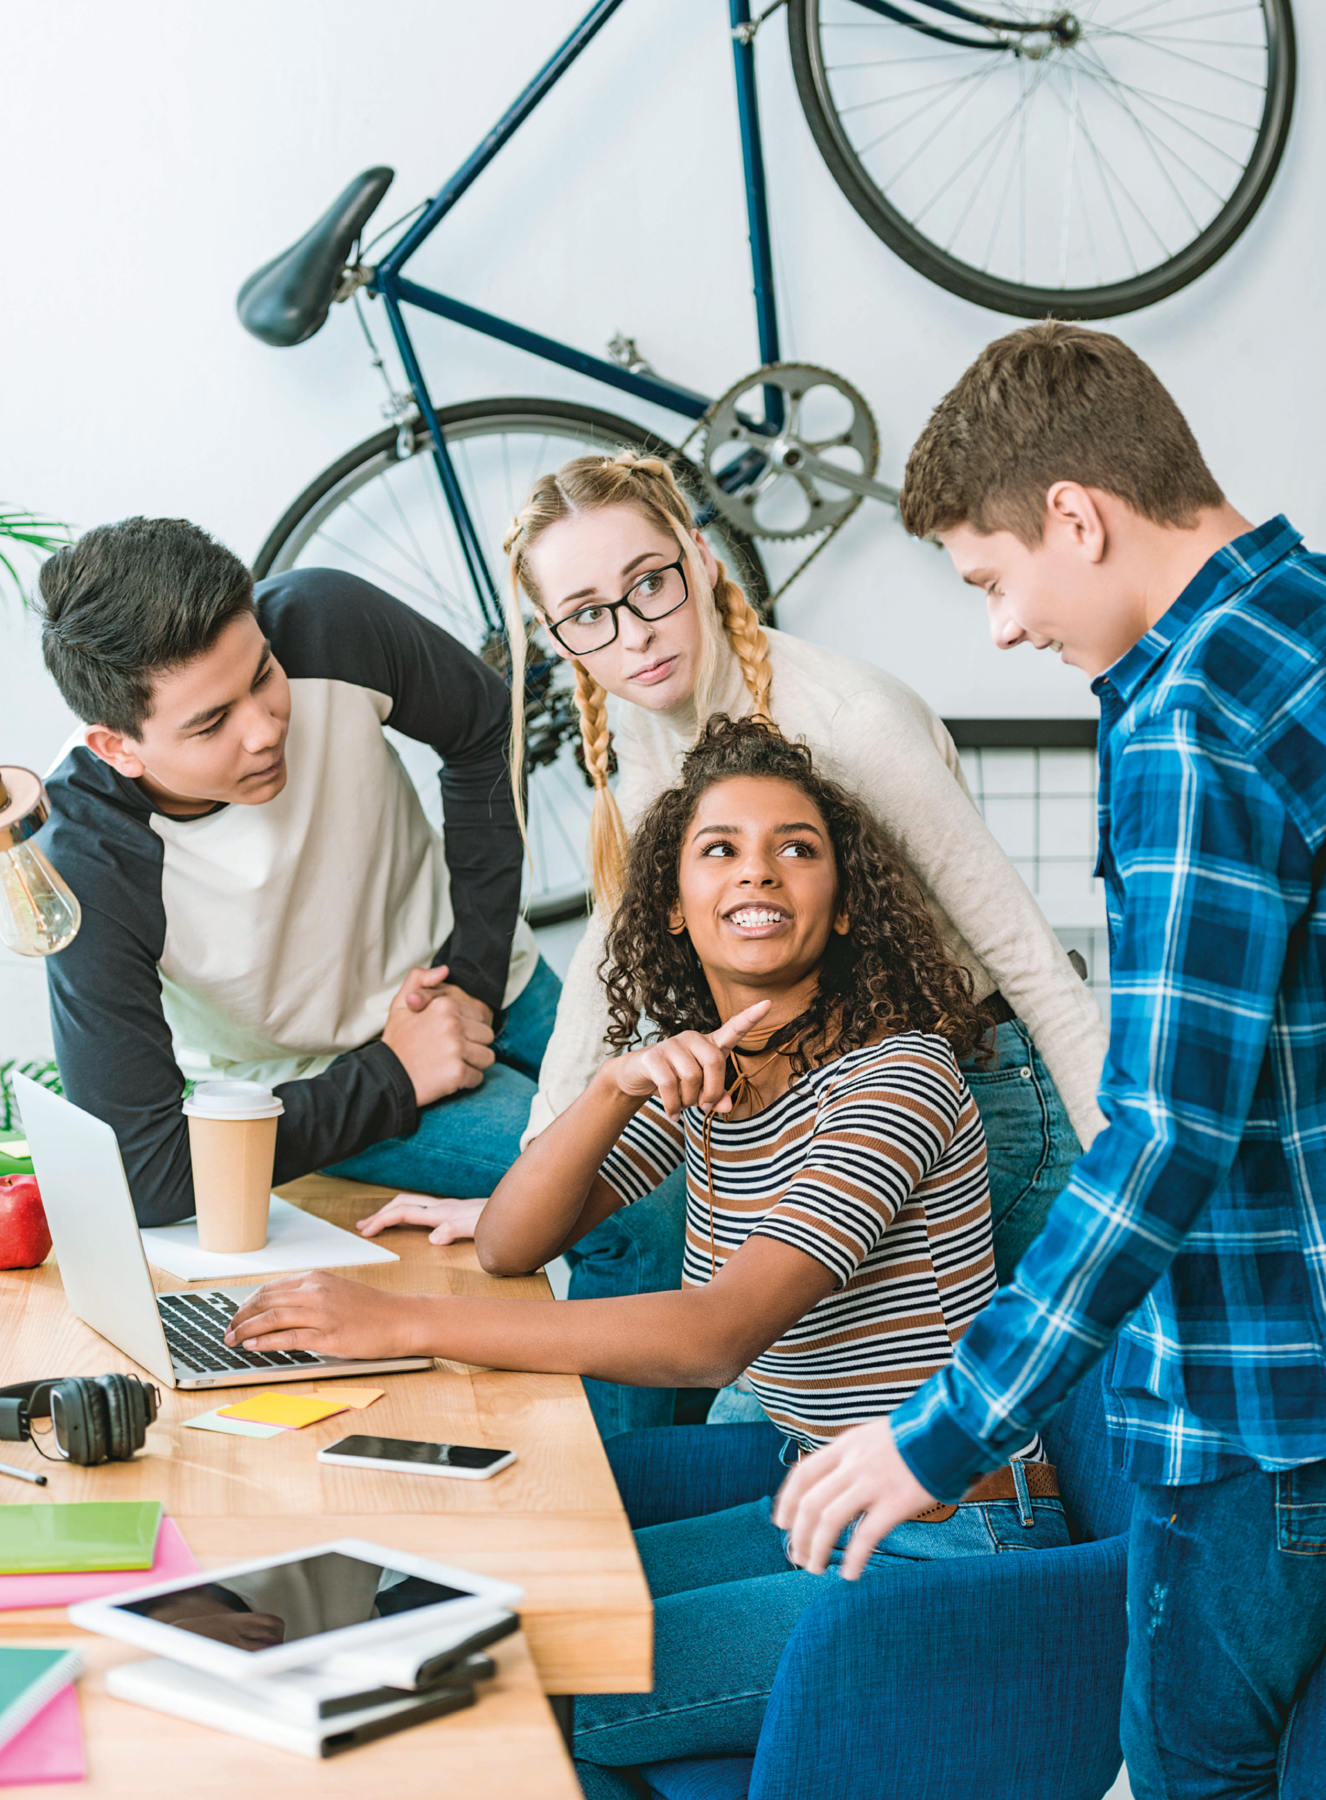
20 1404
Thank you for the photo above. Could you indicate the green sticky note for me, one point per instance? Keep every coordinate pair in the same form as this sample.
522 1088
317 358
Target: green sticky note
78 1538
217 1421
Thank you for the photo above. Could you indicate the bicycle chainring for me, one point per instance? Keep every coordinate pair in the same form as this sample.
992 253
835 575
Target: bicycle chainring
756 439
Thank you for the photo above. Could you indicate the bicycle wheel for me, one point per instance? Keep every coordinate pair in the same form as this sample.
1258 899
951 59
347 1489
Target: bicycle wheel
1081 163
380 514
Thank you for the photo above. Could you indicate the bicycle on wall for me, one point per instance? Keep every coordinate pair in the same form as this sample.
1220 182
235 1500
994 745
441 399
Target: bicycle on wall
1031 159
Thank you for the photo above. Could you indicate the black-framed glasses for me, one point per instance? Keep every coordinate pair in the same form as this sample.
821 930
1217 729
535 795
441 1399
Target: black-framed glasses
657 593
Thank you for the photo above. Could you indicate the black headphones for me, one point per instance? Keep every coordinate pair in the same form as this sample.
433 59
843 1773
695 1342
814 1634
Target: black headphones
95 1418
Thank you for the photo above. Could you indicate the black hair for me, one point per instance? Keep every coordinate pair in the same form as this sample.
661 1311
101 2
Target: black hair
128 602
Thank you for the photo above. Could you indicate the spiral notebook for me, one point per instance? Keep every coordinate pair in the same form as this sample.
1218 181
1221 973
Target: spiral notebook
29 1677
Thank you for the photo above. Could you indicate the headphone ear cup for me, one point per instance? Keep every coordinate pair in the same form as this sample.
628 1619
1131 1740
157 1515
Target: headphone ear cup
140 1397
78 1418
114 1391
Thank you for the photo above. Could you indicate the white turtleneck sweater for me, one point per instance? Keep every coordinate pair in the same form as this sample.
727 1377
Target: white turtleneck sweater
882 742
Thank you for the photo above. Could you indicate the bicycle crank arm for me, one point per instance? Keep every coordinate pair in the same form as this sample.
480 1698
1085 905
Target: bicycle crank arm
797 460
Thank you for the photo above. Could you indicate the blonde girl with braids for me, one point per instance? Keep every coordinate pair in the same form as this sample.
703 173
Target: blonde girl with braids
605 554
696 652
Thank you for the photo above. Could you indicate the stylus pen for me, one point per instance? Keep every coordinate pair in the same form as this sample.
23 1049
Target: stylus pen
22 1475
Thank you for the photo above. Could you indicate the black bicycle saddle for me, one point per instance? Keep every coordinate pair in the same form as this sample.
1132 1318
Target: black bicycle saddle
288 299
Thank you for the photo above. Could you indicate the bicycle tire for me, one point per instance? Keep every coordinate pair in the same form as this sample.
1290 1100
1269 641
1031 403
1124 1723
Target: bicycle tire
342 480
1107 300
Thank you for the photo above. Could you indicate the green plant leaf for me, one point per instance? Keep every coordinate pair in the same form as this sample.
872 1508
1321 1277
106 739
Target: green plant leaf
19 526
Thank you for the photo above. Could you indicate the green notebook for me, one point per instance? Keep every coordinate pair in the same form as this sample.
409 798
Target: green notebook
74 1539
28 1679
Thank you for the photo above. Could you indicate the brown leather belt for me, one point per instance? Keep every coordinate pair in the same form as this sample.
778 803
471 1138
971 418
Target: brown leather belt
1042 1484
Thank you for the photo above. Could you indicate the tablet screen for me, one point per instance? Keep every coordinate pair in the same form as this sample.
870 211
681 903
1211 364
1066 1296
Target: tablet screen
296 1599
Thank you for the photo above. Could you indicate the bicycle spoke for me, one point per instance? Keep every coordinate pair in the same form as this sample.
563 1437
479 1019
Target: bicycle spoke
1074 111
1013 164
1109 181
1155 100
1193 61
945 87
1022 101
420 558
926 143
1111 88
1225 12
391 576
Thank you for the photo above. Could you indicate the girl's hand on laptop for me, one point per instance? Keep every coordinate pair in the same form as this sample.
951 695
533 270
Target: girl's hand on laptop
448 1221
328 1315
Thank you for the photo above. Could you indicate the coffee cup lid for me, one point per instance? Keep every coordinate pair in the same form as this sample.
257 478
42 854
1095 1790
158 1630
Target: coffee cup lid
232 1100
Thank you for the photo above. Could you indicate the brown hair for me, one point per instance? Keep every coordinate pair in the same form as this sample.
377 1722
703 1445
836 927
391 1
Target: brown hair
1053 402
646 483
889 973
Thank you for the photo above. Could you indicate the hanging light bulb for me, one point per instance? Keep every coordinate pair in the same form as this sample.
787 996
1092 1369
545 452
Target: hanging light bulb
38 913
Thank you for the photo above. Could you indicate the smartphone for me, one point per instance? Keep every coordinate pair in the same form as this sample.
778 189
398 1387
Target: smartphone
414 1457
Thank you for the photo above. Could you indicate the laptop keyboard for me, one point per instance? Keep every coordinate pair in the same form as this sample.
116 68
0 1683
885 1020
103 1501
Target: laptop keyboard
195 1325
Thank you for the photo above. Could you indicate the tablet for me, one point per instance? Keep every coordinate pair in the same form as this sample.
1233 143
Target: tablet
282 1612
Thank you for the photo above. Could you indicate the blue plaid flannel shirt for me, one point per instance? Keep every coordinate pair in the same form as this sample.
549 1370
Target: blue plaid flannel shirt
1192 1235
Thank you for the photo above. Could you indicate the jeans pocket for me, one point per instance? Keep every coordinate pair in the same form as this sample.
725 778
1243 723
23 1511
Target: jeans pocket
1300 1510
1049 1531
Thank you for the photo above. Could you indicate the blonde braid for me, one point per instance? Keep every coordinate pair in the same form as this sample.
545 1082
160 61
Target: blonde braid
746 636
518 646
607 829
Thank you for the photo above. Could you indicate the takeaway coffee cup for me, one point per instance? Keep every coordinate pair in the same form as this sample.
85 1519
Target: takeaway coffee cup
232 1145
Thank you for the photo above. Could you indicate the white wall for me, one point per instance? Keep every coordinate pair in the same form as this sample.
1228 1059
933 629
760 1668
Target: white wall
156 153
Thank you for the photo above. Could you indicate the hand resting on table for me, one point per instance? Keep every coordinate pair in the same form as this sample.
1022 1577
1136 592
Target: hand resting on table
448 1221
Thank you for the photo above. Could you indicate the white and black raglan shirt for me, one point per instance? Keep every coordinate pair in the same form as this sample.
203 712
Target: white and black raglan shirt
266 942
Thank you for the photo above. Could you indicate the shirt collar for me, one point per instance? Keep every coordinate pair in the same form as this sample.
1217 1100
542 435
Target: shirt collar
1233 566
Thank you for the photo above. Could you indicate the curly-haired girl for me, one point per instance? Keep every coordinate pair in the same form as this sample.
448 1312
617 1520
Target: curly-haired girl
802 1062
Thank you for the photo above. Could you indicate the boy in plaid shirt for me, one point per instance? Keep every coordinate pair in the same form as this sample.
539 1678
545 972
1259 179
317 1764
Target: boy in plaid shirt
1190 1245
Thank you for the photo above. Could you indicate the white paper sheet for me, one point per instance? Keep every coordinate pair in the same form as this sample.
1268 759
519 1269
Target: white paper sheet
295 1240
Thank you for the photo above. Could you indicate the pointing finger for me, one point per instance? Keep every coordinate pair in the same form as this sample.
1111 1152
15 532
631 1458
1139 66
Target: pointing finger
737 1026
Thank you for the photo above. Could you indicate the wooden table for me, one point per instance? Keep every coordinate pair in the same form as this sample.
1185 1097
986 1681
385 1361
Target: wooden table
553 1522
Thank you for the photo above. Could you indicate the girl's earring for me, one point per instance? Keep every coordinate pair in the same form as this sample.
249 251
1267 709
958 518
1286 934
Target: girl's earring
676 923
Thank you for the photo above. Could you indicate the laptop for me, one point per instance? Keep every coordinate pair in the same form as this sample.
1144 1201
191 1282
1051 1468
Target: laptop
179 1338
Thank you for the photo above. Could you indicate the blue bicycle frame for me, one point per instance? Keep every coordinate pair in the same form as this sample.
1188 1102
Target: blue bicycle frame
397 292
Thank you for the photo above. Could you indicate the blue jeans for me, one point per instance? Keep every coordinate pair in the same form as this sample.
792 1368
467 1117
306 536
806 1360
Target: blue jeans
636 1250
726 1598
1031 1147
464 1145
1226 1619
1030 1142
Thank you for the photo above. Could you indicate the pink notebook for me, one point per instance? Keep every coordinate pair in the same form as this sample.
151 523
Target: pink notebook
173 1557
50 1745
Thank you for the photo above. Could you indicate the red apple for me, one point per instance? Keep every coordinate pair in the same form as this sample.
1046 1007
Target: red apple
25 1238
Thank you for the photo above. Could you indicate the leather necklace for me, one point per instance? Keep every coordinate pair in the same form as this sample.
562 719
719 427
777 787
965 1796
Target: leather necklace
743 1092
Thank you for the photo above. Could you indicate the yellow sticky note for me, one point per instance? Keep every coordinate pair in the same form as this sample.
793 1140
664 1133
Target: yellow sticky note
291 1410
348 1396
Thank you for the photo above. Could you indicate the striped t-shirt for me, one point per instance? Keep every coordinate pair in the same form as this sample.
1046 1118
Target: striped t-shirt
875 1166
